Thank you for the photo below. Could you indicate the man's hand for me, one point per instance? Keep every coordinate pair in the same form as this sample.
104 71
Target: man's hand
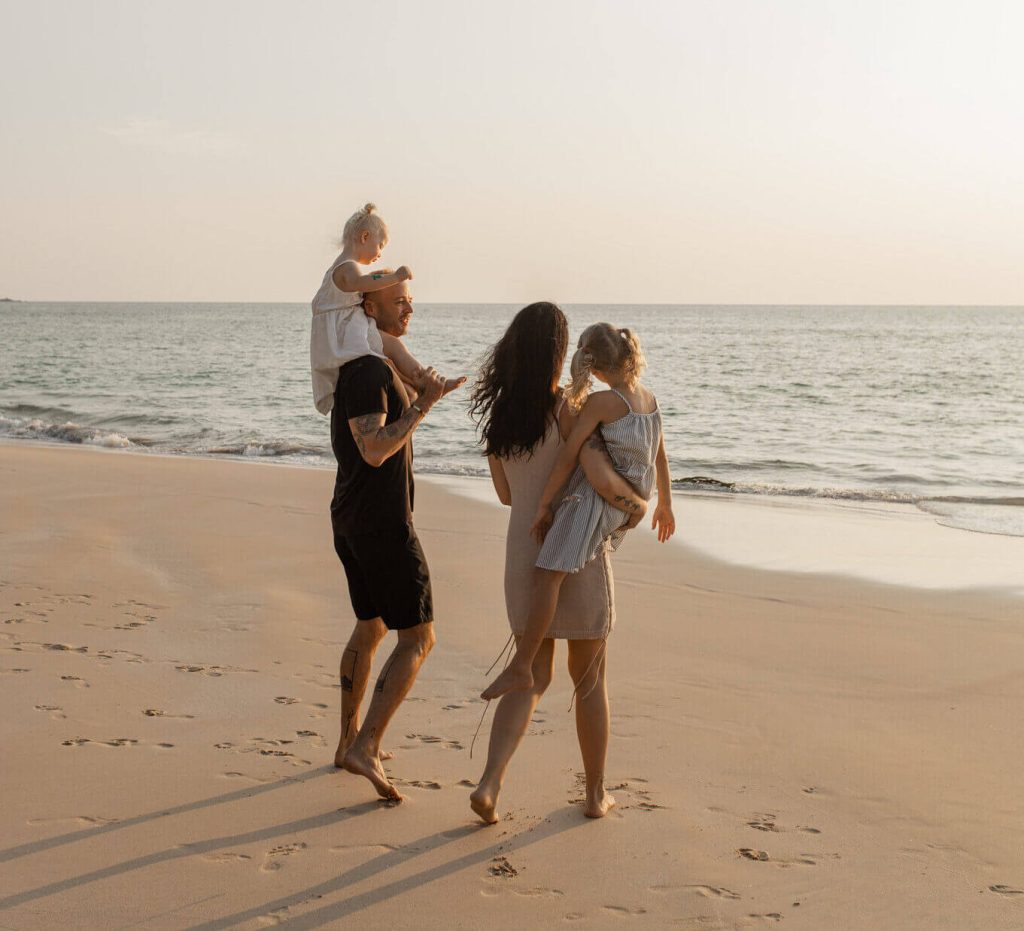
542 522
431 389
403 273
664 522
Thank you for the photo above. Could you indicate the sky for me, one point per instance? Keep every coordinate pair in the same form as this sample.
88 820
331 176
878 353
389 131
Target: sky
583 151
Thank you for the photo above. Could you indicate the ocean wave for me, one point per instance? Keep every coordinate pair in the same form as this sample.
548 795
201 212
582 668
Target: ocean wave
68 432
260 449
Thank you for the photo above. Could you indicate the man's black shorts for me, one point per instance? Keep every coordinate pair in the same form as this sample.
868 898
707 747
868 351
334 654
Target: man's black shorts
387 576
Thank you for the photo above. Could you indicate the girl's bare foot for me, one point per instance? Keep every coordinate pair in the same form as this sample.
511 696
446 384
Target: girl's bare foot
361 764
598 804
450 384
483 803
511 679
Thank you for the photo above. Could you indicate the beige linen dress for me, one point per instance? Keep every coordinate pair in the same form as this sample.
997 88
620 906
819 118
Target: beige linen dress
586 602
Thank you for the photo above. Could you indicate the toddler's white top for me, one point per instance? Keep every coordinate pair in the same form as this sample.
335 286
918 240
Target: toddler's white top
340 333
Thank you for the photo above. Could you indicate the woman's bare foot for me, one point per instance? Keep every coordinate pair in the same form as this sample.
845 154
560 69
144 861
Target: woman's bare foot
483 803
598 804
512 679
361 764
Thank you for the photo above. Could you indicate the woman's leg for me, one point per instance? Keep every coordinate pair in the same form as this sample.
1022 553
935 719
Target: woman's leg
517 675
587 660
511 720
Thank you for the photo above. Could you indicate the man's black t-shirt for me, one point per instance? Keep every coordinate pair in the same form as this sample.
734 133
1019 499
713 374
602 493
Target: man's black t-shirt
368 499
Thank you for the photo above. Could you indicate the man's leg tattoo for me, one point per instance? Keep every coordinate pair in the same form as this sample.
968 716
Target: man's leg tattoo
383 677
346 678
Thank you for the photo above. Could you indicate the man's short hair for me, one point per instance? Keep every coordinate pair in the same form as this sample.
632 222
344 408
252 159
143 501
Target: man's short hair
376 271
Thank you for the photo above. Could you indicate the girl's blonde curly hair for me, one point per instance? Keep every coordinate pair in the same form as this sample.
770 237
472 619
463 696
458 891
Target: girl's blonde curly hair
611 351
366 218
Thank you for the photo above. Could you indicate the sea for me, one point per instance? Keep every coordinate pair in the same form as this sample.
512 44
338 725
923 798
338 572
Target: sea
911 405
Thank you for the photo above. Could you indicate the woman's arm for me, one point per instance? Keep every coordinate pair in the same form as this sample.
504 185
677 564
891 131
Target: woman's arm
500 480
346 277
663 520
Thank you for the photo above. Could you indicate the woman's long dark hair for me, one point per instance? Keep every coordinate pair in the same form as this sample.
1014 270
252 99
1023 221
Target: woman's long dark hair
512 401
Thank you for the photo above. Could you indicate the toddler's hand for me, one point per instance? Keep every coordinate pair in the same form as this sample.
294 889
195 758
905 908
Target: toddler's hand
404 273
664 522
542 522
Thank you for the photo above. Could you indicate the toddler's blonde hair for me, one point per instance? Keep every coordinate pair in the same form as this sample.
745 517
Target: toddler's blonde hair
611 350
365 219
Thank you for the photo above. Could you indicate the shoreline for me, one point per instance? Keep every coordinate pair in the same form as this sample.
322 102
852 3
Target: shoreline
890 543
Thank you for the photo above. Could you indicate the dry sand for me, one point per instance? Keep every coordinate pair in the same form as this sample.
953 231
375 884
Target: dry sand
792 751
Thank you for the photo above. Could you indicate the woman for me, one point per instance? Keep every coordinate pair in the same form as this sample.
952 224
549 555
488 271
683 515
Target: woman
523 422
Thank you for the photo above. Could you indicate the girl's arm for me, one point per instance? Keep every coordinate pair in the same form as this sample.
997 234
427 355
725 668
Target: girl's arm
500 480
599 408
663 520
347 278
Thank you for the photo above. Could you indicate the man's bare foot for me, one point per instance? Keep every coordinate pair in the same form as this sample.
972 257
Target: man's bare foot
361 764
483 803
511 679
339 754
450 384
598 804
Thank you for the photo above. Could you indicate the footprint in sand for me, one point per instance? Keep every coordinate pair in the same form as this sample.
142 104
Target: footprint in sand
625 910
56 712
15 670
265 746
273 858
226 857
417 783
76 681
318 708
157 713
708 892
213 672
445 742
113 742
1005 890
761 856
766 916
317 740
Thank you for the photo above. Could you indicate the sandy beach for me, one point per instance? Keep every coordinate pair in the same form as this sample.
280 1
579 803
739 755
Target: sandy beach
791 749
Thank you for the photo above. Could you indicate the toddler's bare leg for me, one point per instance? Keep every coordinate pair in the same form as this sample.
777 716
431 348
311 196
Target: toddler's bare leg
511 720
543 600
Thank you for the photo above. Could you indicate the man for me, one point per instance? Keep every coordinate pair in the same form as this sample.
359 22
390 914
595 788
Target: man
372 424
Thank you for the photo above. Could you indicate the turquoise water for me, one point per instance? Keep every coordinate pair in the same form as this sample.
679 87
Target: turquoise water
918 405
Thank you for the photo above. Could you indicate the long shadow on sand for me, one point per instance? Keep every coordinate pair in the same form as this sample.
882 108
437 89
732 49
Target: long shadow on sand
189 850
562 819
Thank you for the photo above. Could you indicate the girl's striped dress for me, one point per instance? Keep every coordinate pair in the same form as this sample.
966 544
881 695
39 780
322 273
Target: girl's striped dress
585 524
